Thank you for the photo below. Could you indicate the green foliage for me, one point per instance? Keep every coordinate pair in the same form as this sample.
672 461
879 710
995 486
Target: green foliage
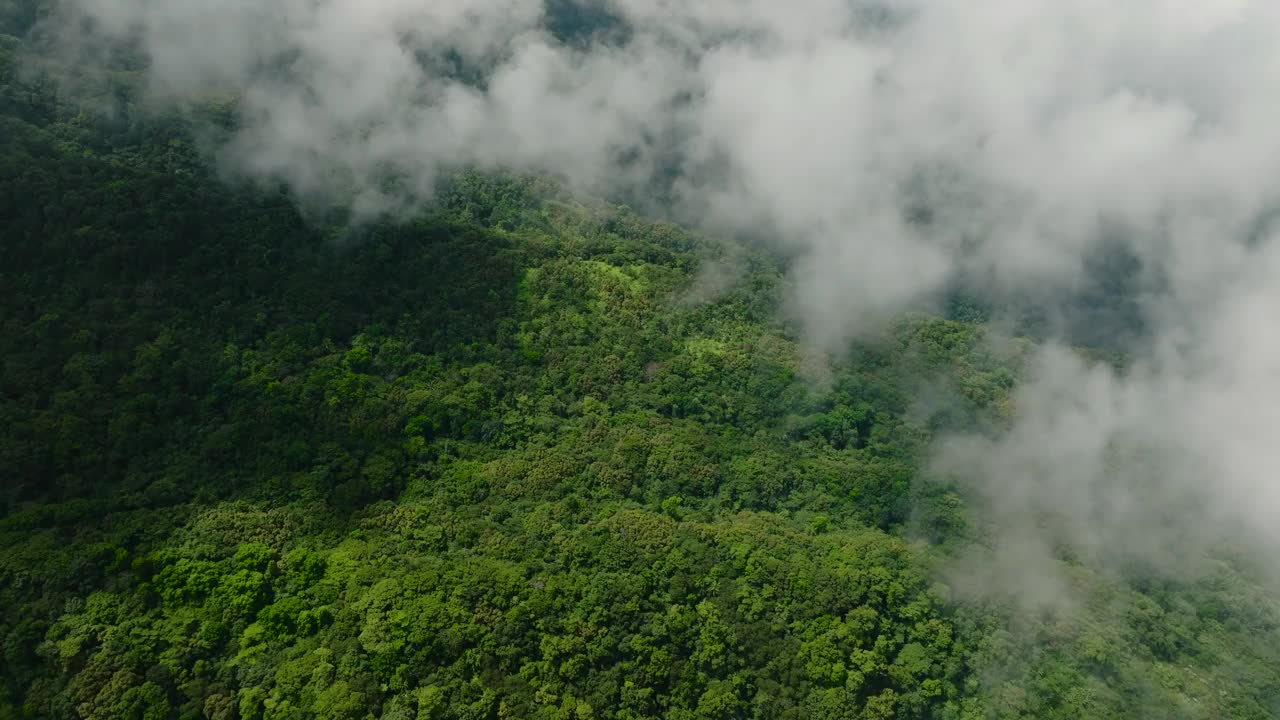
304 567
186 580
502 460
241 592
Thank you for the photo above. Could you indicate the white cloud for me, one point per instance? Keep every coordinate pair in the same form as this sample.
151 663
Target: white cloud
1027 125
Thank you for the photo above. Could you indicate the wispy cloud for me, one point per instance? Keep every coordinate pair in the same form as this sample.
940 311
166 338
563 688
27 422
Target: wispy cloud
890 147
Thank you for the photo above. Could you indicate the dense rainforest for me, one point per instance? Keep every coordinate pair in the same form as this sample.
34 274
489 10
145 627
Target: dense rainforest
520 456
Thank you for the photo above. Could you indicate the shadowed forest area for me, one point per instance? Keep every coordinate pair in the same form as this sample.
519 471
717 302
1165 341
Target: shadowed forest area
515 457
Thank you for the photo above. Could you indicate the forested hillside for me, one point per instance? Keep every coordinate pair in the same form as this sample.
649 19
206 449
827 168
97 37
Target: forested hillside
525 455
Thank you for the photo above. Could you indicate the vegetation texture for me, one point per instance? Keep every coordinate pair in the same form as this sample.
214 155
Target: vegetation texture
516 458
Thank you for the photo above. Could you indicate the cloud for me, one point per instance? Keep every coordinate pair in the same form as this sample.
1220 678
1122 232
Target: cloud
890 148
1155 468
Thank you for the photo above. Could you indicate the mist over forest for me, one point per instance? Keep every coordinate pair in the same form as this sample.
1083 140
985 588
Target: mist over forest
639 359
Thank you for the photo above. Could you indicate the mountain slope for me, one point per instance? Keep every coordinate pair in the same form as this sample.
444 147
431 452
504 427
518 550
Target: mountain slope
524 456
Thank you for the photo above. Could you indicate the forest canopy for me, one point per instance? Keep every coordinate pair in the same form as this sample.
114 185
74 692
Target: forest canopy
522 453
